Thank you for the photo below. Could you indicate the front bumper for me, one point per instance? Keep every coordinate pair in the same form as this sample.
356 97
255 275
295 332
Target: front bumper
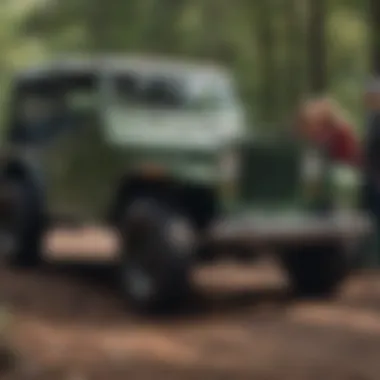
270 230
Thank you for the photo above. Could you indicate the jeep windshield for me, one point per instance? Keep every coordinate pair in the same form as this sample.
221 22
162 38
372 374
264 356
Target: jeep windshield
160 93
177 111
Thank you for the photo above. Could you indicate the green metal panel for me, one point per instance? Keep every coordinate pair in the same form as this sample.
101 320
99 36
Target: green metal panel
270 172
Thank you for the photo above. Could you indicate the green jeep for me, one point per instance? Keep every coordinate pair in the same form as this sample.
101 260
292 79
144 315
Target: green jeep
160 152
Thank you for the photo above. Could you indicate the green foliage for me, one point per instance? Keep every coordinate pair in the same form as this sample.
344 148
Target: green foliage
264 42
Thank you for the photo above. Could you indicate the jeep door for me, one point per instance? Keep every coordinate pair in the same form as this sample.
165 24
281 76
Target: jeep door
68 158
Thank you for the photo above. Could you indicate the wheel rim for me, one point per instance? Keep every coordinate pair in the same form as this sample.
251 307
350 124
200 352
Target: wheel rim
138 283
7 244
180 233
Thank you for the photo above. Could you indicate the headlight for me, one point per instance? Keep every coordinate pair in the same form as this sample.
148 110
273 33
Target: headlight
229 171
313 166
312 175
346 185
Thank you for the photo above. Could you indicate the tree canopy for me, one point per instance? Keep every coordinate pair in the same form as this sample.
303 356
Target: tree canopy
279 50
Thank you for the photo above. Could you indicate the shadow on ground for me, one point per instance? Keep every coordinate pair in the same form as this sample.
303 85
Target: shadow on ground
87 293
71 323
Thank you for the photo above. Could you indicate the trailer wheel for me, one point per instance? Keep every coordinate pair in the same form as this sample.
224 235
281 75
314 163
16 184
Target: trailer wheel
316 271
157 251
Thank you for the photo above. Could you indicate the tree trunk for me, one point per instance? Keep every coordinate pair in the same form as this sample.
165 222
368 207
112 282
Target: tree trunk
370 193
267 60
98 24
164 35
375 36
317 46
296 55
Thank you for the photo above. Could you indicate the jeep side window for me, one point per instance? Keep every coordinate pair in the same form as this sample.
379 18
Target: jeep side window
35 100
45 106
35 104
80 92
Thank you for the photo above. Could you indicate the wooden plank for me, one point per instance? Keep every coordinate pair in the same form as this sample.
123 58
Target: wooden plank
91 242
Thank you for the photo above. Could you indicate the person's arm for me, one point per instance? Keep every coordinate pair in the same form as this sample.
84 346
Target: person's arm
346 147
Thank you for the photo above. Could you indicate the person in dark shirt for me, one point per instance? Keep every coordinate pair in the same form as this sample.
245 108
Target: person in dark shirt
371 172
320 124
370 194
372 138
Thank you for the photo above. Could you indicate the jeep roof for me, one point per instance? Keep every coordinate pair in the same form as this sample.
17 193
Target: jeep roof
140 64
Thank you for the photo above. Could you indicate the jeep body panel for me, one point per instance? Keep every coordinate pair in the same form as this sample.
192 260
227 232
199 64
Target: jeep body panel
82 164
189 140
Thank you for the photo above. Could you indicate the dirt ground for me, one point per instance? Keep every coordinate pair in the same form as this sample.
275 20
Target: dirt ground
66 321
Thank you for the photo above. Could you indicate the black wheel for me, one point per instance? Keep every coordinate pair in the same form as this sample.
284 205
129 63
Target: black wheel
158 247
21 225
316 271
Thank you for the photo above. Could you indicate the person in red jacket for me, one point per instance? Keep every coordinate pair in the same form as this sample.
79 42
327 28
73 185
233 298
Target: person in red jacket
321 122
